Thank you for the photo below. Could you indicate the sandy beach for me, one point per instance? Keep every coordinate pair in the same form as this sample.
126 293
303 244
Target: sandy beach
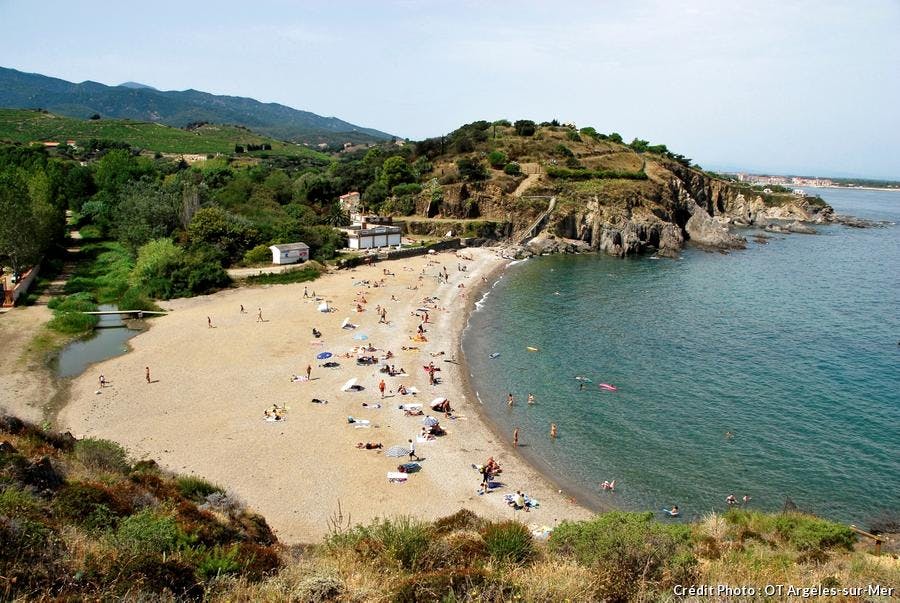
202 413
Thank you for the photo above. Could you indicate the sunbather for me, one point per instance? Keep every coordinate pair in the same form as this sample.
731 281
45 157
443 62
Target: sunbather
369 445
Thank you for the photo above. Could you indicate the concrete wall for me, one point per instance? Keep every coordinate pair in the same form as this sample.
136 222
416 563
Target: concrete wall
11 296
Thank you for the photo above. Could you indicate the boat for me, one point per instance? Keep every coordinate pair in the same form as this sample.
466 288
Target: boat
608 387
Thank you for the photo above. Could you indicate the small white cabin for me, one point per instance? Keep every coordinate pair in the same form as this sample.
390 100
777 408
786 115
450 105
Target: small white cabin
290 253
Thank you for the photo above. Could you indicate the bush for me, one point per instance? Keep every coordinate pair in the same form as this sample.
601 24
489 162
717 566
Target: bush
410 188
89 505
497 159
101 455
301 275
261 254
508 542
632 549
573 136
148 532
471 169
402 540
218 561
525 127
195 488
15 502
512 168
809 533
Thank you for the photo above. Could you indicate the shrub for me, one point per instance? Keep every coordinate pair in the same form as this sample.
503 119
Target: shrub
261 254
525 127
508 542
101 455
512 168
573 136
15 502
410 188
89 505
497 159
196 488
471 169
631 548
67 313
809 533
401 540
301 275
218 561
148 532
461 520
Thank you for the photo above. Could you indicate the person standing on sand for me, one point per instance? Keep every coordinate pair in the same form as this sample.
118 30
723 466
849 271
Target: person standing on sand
147 373
308 371
102 381
305 292
259 317
412 451
381 388
516 437
209 322
553 430
242 309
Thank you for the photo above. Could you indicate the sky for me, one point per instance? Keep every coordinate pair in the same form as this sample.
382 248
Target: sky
778 86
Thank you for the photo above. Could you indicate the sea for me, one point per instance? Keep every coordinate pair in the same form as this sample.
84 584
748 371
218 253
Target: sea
771 372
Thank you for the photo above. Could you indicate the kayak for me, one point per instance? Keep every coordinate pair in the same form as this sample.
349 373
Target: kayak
531 349
608 387
495 354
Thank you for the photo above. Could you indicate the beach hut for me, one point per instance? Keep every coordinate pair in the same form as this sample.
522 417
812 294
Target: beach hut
290 253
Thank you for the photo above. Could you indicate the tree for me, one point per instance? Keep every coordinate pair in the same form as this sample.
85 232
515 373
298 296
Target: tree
471 169
525 127
20 243
394 171
231 234
616 137
146 211
497 159
639 145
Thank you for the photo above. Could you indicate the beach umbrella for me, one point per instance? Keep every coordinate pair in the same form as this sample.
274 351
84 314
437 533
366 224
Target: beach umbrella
437 401
398 451
323 307
429 421
323 355
361 336
349 385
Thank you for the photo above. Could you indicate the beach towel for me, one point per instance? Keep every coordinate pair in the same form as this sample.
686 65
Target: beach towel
410 407
425 440
274 420
358 421
411 391
529 502
396 477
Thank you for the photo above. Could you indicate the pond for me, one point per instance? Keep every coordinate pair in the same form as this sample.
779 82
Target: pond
109 340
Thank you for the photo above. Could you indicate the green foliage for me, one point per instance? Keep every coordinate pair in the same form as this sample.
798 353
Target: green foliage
512 168
809 533
399 541
302 275
118 167
146 211
508 542
219 561
261 254
195 488
155 263
631 548
394 171
573 136
403 206
101 455
88 505
232 234
68 314
563 151
148 531
411 188
615 137
497 159
525 127
585 174
21 241
471 169
19 503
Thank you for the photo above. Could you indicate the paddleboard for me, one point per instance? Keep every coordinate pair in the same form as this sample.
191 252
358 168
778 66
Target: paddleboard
608 387
495 355
531 349
584 379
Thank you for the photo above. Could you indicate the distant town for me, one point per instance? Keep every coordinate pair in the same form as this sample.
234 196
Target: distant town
791 181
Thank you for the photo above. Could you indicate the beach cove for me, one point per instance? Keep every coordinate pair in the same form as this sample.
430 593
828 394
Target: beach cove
202 412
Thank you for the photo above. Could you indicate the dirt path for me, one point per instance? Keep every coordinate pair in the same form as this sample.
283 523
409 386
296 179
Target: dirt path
534 174
26 386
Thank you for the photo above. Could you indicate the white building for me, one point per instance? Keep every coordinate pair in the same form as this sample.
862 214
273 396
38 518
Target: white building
366 236
291 253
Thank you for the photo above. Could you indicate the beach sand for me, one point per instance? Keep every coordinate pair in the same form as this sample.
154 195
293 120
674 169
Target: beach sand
203 412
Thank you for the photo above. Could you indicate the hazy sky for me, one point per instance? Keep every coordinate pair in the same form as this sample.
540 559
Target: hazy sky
807 87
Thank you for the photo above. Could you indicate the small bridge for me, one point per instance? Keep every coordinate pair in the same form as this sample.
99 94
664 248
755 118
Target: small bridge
138 313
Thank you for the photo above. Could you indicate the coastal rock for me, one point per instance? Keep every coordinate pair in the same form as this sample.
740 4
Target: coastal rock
858 222
801 228
702 229
42 475
6 447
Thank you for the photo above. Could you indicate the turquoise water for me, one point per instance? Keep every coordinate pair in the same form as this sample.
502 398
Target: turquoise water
791 346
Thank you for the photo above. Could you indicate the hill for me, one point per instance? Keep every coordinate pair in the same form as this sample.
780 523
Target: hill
175 108
26 126
551 182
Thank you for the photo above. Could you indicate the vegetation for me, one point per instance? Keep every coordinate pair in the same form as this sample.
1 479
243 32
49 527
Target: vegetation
25 126
117 529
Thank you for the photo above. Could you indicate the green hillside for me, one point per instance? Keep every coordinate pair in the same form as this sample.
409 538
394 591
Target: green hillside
27 126
176 108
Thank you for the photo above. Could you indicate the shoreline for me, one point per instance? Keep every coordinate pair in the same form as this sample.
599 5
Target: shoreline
197 414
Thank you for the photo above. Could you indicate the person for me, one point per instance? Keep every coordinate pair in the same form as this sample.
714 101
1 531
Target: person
412 451
316 333
381 388
147 373
493 466
730 499
485 478
746 498
519 502
509 399
102 381
552 430
369 445
531 398
308 371
607 485
242 309
674 512
516 436
259 317
305 292
209 322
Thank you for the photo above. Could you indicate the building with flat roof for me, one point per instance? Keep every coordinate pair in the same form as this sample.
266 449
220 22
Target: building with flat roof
289 253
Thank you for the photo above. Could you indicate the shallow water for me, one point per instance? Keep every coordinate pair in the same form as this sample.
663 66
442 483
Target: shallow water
791 346
107 341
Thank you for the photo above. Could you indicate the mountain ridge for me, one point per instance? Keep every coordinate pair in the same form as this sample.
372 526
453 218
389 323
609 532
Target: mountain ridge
140 102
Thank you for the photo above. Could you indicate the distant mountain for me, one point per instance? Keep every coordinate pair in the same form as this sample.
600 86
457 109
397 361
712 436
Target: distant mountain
136 85
175 108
